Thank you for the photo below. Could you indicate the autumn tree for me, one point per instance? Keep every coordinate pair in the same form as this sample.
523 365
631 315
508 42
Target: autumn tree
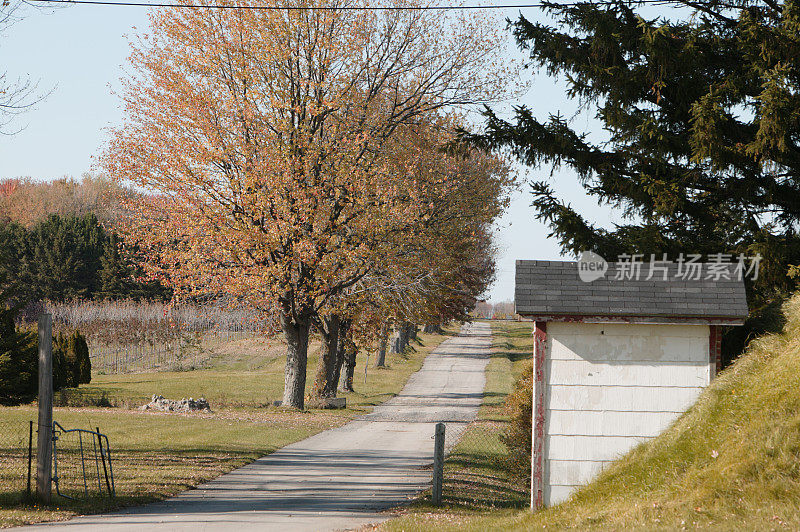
438 261
441 287
261 134
441 272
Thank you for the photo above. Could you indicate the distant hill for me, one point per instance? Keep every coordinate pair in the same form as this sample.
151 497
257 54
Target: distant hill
27 202
57 243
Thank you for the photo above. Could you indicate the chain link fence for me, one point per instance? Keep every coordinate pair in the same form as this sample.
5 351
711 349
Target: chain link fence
477 472
81 462
17 459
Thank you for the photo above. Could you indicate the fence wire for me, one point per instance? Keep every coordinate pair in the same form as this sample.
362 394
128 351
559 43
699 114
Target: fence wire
477 472
15 437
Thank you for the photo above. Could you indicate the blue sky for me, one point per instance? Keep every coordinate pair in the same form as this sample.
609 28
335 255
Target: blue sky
80 52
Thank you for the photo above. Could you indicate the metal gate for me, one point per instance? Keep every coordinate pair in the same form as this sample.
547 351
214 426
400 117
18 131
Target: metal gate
81 463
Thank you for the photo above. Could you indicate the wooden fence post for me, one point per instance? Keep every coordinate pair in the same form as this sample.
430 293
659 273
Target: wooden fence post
44 448
438 463
538 420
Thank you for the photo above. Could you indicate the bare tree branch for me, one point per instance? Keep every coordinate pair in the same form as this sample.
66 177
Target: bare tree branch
16 95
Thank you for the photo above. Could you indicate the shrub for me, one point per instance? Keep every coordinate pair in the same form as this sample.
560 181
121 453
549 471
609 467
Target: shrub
62 376
518 434
84 369
71 364
19 361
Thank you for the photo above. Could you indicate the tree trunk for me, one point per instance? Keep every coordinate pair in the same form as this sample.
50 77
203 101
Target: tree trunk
326 378
346 379
403 334
296 334
383 341
394 342
344 328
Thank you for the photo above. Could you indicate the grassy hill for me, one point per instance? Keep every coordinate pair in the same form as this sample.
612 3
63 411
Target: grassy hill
731 462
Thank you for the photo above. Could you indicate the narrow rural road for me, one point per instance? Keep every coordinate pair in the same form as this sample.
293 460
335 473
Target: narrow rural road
340 478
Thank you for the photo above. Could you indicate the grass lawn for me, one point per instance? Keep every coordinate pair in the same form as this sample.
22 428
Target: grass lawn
157 454
248 374
475 477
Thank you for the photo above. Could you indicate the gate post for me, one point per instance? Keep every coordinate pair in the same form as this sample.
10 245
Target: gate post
44 448
438 463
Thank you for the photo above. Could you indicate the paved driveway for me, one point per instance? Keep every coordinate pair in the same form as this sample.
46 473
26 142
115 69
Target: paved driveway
340 478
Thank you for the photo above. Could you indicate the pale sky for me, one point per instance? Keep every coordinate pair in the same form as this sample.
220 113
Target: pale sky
80 52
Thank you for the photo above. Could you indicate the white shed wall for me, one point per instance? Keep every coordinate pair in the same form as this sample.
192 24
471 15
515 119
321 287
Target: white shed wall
610 387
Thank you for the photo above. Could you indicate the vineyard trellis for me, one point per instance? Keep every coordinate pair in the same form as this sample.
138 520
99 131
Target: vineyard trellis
131 336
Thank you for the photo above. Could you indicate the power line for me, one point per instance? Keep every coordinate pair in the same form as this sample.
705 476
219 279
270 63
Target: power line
339 8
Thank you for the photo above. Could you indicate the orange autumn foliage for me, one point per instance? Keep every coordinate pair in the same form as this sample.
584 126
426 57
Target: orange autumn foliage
267 140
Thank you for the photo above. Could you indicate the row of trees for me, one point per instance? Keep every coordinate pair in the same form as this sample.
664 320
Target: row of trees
293 159
28 202
499 311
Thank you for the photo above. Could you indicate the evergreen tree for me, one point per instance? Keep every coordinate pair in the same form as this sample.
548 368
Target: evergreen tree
68 257
71 363
83 370
702 118
66 252
19 361
114 272
62 365
16 279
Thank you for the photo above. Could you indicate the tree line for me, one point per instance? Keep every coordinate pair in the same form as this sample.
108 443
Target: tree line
303 161
57 258
63 258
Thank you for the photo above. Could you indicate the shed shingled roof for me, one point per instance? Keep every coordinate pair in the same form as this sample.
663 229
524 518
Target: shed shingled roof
552 289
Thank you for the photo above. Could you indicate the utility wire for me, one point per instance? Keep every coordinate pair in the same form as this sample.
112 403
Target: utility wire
341 8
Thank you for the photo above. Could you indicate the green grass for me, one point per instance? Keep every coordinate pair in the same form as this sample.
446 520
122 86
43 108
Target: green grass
157 454
475 476
249 374
512 351
731 462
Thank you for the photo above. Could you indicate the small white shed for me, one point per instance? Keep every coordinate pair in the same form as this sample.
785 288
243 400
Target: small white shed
616 360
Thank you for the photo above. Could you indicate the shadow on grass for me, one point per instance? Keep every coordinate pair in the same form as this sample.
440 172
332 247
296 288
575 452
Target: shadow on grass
513 356
481 480
141 477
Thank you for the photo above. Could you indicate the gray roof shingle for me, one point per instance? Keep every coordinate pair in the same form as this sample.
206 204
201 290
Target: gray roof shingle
554 289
